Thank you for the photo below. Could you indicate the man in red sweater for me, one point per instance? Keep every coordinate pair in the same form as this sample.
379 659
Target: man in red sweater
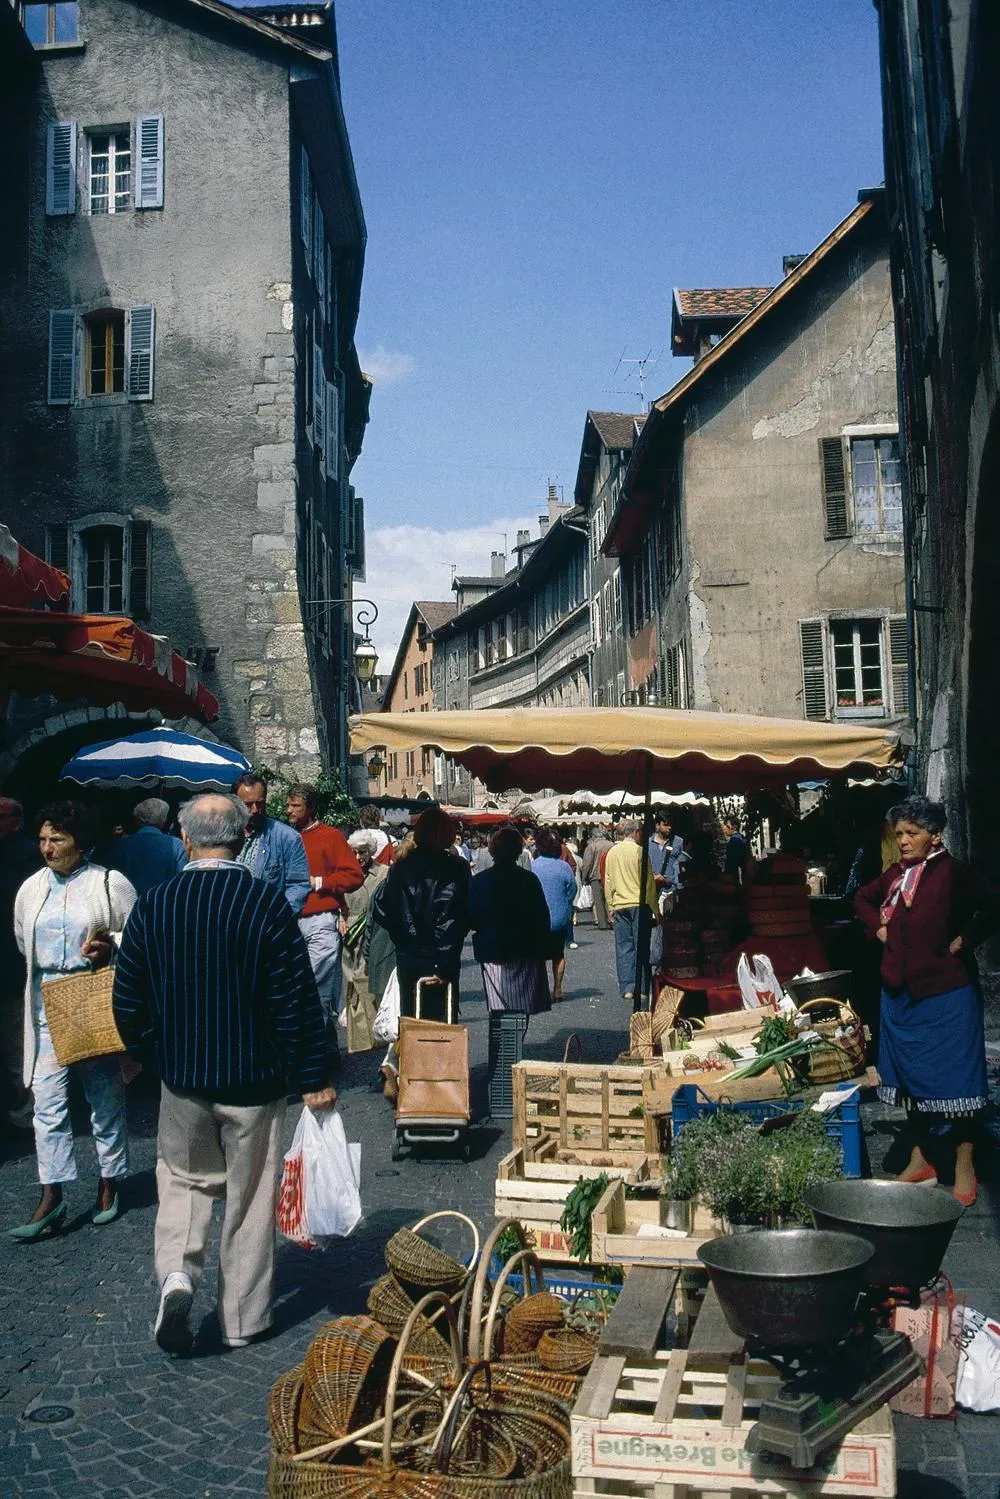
333 871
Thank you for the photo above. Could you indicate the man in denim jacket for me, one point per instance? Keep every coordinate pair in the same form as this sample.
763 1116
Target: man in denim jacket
273 851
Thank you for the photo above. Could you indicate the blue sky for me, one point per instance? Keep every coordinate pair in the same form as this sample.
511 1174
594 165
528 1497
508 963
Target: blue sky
537 175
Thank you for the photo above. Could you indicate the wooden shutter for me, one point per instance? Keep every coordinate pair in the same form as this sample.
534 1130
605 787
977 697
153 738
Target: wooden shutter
899 664
138 575
319 404
812 639
57 547
305 200
149 150
139 341
60 168
319 243
332 430
358 511
62 357
831 458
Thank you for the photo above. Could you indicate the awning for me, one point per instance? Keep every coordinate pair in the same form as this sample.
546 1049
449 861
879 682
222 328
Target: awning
103 658
156 757
660 749
25 579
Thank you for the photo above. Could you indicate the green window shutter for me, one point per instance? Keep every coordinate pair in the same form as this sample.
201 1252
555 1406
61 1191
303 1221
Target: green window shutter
812 643
138 576
149 148
899 664
831 459
140 335
60 168
62 357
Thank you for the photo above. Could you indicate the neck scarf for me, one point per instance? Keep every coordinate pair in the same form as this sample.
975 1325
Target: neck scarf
905 885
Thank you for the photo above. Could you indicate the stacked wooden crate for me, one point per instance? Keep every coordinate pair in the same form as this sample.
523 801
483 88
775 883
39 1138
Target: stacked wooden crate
534 1181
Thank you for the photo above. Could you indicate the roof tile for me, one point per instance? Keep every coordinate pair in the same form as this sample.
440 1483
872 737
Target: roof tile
721 301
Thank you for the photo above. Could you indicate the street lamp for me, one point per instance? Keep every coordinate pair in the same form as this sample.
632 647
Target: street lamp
376 765
365 654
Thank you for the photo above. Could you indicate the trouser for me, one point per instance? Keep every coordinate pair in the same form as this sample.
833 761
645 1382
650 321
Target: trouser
323 941
600 906
102 1083
207 1150
632 925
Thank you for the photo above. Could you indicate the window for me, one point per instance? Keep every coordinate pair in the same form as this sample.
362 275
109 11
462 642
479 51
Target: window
51 25
878 490
105 354
855 667
673 677
109 171
616 588
103 561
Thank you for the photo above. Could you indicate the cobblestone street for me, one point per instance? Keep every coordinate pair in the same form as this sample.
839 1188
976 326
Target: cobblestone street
90 1407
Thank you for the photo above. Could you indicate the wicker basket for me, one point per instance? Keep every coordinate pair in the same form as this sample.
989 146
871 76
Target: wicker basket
283 1411
564 1351
390 1305
420 1266
528 1319
851 1056
79 1016
661 1022
344 1374
640 1035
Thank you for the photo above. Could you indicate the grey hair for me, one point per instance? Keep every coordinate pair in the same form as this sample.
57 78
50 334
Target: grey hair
214 821
928 815
152 813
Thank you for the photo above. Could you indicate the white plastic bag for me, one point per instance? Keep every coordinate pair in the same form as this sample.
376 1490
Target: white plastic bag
978 1387
386 1026
584 900
759 985
320 1194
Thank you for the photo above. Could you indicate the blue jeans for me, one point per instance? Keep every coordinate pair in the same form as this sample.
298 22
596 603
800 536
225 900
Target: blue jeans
632 927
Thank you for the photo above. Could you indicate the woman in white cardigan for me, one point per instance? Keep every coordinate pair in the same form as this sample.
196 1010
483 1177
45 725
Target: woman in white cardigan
64 916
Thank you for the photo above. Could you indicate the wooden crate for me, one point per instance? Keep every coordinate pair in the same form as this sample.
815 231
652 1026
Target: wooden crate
533 1186
655 1423
616 1240
659 1088
587 1108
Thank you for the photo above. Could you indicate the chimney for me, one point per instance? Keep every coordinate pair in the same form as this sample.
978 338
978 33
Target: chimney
498 564
523 537
543 524
789 263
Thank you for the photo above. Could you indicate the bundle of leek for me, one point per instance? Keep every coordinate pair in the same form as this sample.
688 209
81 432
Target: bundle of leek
786 1061
355 930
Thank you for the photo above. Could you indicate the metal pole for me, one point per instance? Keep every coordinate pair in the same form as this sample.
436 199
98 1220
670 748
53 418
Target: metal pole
643 877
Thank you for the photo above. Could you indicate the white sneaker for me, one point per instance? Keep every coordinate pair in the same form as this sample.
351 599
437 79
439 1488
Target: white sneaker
171 1330
573 946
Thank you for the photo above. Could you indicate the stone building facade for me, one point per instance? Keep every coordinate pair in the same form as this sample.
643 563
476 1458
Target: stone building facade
759 524
409 689
181 401
608 438
940 66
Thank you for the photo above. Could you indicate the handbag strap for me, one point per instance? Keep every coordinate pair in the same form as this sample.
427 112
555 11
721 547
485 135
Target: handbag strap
111 917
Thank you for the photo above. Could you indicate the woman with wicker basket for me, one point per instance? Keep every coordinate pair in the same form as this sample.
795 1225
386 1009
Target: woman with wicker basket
64 916
930 912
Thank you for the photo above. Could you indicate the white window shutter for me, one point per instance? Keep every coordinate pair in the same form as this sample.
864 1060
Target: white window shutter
305 200
60 168
149 149
62 357
140 333
319 404
812 640
332 429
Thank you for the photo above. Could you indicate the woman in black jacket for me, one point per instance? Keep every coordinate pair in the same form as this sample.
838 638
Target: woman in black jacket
424 906
510 918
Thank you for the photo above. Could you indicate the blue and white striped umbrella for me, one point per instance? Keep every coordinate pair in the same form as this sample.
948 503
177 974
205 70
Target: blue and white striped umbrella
158 757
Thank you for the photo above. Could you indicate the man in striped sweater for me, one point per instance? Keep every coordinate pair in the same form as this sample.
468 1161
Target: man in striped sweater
214 989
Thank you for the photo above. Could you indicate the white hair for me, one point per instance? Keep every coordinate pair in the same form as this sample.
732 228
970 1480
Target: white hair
364 838
214 821
152 813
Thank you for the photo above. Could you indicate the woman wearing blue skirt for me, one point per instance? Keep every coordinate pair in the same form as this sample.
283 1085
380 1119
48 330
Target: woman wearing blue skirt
930 911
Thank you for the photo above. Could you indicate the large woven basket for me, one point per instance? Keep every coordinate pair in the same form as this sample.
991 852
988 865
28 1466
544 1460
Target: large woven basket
420 1266
283 1411
390 1305
80 1018
851 1055
344 1374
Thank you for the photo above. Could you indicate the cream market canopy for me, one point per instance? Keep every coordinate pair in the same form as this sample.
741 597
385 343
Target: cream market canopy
635 749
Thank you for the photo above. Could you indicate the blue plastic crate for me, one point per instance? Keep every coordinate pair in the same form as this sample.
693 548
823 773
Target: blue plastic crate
842 1125
561 1282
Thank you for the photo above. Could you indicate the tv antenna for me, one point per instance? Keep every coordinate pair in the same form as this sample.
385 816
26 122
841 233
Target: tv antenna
648 361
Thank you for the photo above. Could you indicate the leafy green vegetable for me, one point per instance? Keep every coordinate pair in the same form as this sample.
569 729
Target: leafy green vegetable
576 1214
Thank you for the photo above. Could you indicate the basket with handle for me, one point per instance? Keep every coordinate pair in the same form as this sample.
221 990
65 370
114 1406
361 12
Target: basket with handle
420 1266
390 1305
283 1411
344 1373
829 1065
528 1318
564 1350
79 1016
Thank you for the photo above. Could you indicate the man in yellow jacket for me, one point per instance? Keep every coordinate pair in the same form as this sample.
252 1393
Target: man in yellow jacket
632 912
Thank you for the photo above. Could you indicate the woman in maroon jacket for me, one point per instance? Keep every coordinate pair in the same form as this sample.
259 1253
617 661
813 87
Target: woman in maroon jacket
929 912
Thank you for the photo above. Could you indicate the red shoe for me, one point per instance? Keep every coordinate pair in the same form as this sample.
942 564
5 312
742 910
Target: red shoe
967 1198
925 1174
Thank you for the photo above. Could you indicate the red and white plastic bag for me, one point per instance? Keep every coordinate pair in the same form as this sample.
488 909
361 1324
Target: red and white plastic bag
320 1196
